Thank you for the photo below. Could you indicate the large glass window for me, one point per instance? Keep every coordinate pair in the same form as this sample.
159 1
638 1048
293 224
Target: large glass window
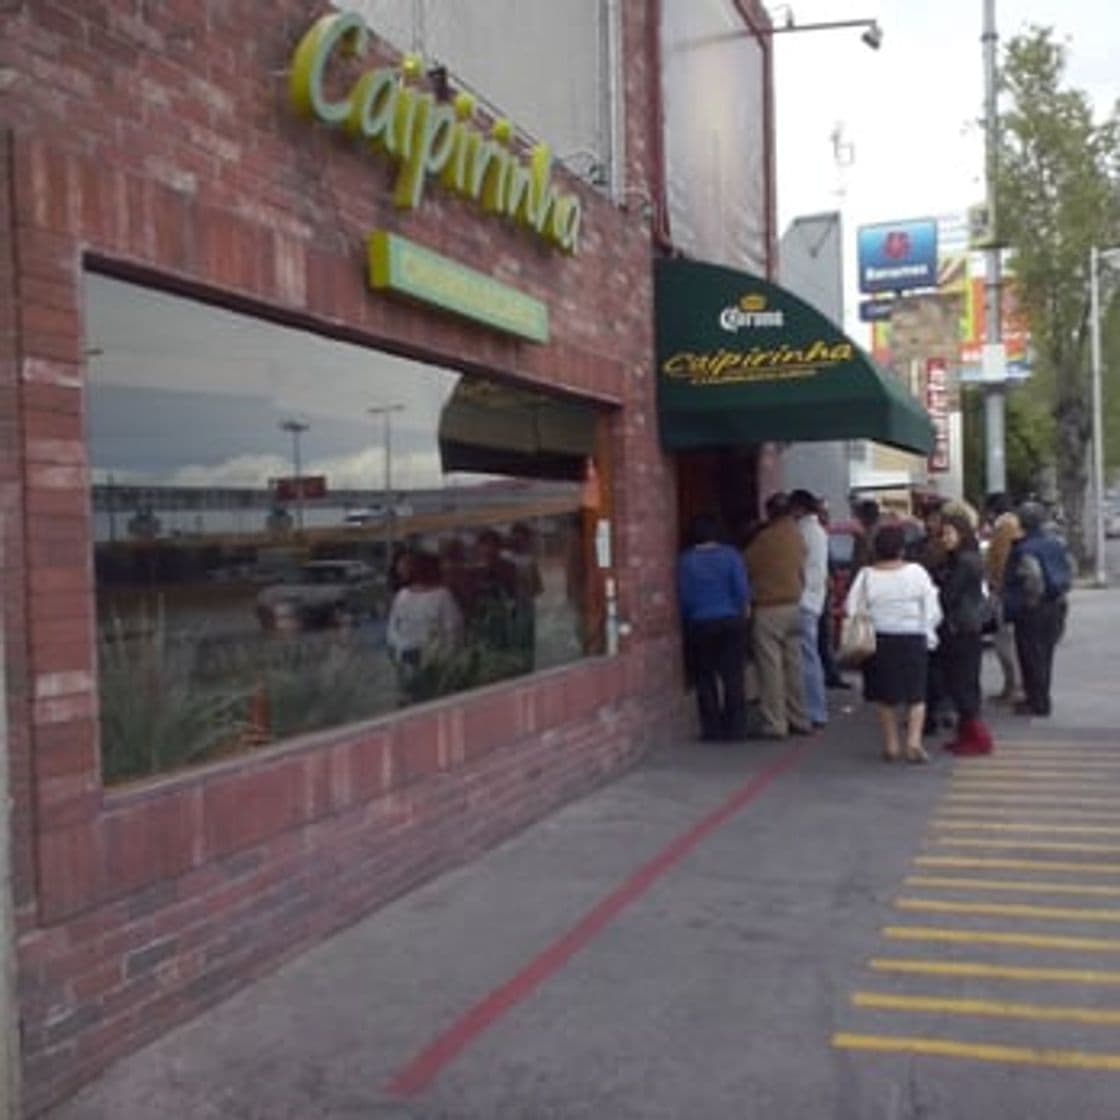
292 533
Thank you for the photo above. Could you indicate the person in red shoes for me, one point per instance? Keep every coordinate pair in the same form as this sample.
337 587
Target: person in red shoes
962 604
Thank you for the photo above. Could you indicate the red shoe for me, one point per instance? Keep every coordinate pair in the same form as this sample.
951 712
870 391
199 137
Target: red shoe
975 739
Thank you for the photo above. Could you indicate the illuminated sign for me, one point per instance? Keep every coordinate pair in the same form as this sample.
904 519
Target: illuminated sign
427 138
400 266
937 405
898 257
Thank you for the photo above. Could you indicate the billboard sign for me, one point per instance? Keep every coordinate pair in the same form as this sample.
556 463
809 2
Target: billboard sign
308 487
875 310
937 405
899 256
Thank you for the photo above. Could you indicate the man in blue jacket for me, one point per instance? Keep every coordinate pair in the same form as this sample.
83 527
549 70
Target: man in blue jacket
714 599
1036 582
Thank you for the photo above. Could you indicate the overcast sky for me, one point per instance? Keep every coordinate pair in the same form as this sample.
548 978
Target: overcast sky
910 110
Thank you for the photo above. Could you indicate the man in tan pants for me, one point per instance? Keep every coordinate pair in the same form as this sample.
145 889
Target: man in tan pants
775 561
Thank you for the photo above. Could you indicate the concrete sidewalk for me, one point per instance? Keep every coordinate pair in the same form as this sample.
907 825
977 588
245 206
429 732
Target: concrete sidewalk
682 944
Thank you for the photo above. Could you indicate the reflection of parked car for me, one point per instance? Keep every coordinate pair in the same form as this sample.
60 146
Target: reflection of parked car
321 593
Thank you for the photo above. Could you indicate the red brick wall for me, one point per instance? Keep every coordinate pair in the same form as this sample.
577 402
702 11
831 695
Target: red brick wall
157 138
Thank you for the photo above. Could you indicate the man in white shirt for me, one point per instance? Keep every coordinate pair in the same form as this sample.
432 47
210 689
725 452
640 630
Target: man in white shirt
803 506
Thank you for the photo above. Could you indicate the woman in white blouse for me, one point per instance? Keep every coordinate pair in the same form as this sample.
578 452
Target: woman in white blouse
425 623
903 604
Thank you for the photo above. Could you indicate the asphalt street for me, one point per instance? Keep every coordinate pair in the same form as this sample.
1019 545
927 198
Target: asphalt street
792 930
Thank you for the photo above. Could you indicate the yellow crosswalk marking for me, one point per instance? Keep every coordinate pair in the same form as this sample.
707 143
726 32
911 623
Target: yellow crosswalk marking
1028 826
988 937
1064 763
994 1009
1032 797
1051 744
1040 845
1033 772
1026 813
979 971
1024 885
1019 864
1023 782
1007 910
980 1052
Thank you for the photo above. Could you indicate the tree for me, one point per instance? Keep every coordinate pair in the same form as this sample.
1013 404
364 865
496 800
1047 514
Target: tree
1029 441
1057 197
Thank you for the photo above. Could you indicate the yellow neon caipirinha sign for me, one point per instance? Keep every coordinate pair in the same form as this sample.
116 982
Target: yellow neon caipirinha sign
425 137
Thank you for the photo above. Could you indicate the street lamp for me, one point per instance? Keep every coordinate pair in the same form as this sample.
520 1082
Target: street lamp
1096 257
872 35
386 412
296 428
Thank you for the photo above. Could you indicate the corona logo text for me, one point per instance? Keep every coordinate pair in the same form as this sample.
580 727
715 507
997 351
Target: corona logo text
750 313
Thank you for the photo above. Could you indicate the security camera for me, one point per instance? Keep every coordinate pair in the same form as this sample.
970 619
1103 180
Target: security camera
873 36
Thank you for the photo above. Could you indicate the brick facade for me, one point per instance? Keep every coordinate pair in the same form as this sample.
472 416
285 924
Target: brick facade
156 140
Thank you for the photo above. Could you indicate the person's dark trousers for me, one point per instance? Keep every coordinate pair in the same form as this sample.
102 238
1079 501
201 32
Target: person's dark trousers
824 645
1036 634
718 655
935 688
960 656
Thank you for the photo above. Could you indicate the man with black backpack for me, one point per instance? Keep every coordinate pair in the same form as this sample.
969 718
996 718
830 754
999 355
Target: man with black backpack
1036 582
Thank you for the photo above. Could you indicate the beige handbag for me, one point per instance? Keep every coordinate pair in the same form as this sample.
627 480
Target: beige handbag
857 631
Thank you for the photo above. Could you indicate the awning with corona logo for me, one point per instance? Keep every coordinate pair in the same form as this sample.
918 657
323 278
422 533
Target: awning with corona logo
742 361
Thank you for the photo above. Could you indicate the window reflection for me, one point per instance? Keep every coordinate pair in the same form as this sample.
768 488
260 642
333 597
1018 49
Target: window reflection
293 533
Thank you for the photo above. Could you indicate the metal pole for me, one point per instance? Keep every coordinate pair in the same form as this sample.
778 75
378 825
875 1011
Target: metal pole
995 465
1098 420
299 477
389 479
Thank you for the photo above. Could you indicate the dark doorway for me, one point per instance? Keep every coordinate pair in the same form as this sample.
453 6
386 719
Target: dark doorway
724 482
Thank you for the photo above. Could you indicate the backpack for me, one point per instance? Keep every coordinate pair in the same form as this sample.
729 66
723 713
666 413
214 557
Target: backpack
1056 570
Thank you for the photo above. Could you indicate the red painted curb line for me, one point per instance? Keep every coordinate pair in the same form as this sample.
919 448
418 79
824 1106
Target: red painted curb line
422 1070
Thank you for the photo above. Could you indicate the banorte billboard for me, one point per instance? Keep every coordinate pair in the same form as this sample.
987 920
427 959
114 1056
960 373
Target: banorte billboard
898 256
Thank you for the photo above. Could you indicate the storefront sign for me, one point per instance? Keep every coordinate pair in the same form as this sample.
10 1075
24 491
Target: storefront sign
898 257
937 405
745 362
425 137
401 266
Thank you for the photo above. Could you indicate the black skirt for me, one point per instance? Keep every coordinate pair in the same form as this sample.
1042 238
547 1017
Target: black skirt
896 672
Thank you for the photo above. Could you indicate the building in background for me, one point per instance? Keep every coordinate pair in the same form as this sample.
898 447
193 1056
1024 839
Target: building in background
811 264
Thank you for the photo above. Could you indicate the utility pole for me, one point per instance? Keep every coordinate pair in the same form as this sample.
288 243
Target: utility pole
994 367
385 411
296 428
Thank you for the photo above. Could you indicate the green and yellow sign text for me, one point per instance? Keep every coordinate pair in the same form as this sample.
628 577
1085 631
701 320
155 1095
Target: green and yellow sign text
401 266
427 138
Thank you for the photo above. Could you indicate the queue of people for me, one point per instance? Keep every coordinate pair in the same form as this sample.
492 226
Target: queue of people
762 604
930 595
1017 593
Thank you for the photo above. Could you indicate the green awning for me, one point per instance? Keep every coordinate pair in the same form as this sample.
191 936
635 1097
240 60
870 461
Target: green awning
742 361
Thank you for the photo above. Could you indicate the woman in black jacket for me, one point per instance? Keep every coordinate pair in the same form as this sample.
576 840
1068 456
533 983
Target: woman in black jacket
962 603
